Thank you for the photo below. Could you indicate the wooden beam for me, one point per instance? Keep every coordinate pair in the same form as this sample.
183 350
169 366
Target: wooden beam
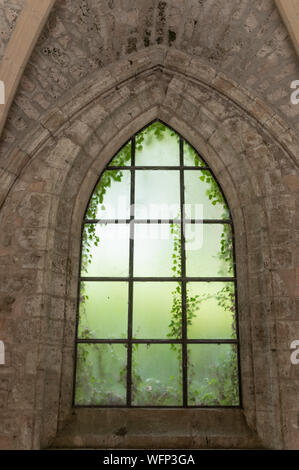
289 11
24 37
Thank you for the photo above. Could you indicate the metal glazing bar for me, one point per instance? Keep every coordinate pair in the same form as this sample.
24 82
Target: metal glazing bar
156 341
183 274
159 279
160 406
131 267
157 221
157 168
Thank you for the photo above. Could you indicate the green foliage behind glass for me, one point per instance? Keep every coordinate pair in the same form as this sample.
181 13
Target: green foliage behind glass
221 385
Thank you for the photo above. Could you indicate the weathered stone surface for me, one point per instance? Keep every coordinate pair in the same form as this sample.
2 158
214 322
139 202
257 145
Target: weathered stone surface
100 72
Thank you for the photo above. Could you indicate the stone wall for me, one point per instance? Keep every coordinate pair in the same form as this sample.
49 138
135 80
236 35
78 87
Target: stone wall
244 39
101 71
9 12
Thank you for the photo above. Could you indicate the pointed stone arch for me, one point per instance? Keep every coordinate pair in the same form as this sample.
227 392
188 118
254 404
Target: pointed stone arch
56 168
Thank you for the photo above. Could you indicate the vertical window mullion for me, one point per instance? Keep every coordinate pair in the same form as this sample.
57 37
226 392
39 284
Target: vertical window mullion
183 275
131 267
237 317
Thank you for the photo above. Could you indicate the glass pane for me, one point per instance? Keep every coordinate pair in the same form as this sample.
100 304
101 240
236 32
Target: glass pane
101 374
157 250
211 310
157 145
103 310
123 158
191 157
105 250
157 194
157 310
203 196
156 378
213 375
111 198
209 250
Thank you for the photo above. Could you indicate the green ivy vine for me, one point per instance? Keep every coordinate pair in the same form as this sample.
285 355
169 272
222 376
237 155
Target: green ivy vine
223 385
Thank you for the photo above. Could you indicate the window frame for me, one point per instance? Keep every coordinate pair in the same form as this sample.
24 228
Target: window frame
184 341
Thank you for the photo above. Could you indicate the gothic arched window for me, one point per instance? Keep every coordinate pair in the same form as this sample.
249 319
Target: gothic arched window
157 322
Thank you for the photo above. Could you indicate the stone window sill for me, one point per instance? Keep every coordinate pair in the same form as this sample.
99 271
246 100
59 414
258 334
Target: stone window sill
143 428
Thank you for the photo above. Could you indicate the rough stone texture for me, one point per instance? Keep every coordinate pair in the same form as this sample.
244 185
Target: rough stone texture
9 12
113 70
139 429
249 43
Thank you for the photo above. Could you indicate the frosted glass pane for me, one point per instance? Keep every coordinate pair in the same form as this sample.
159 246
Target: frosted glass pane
154 249
211 310
157 375
157 194
111 199
157 145
123 158
157 310
103 310
191 157
204 255
101 374
202 195
213 375
108 253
